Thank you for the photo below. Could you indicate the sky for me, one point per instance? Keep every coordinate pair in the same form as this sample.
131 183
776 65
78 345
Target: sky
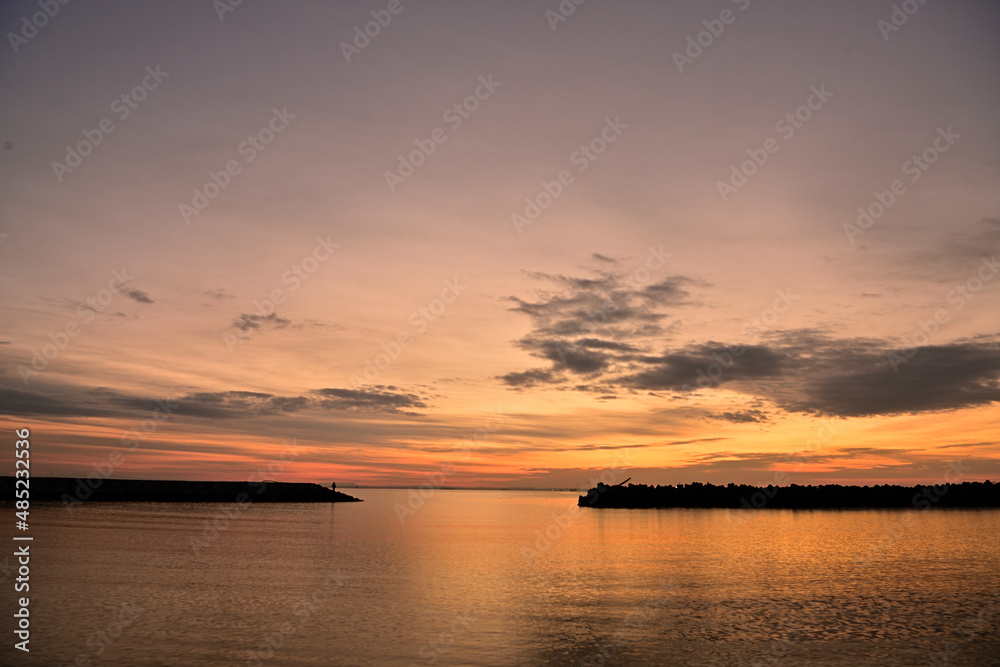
517 244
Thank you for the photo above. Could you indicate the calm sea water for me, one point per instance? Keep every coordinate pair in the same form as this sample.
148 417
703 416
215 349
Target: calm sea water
507 578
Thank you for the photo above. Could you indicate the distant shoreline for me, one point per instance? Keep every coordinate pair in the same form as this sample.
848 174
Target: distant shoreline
73 491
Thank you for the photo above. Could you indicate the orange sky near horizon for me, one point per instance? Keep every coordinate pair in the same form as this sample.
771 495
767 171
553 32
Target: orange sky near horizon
589 261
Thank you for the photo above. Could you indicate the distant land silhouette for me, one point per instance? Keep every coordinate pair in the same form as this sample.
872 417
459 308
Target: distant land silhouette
72 490
827 496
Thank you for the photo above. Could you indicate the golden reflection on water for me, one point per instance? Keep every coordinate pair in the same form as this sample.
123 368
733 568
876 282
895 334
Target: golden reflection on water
525 578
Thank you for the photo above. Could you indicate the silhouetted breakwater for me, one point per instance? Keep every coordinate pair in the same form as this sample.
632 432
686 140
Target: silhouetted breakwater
73 490
828 496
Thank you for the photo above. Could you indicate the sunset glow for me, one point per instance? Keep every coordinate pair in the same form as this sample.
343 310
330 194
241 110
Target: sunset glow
506 258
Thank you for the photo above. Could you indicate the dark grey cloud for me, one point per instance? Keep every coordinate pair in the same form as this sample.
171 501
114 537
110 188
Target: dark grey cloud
377 399
672 291
592 325
238 404
608 304
708 364
954 255
805 370
566 355
937 377
22 402
219 294
742 416
137 295
604 258
970 445
843 378
524 379
598 344
247 322
66 401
